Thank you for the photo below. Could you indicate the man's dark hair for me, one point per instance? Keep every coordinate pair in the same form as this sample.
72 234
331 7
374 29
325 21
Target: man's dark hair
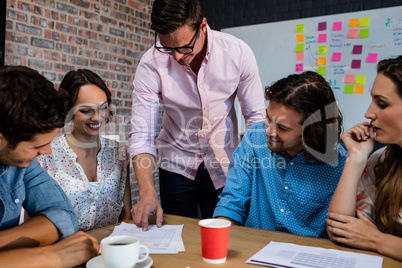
168 15
307 93
29 105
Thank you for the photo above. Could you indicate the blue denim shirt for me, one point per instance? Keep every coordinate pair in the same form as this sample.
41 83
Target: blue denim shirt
33 189
271 191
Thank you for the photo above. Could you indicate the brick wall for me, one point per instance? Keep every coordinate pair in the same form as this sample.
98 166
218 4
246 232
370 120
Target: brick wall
106 36
233 13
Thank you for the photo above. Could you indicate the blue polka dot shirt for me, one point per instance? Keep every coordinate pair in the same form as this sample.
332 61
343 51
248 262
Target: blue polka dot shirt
271 191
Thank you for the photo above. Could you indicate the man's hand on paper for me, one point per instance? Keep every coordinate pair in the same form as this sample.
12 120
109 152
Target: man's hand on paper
357 232
145 207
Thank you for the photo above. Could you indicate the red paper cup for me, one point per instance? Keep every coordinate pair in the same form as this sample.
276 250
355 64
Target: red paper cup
214 239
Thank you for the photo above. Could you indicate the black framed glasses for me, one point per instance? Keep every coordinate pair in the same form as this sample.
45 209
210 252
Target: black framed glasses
182 50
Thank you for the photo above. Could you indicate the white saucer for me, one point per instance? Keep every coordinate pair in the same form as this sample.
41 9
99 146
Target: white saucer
97 262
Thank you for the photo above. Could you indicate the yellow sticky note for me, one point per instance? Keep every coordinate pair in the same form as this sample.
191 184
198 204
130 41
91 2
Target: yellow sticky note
322 50
299 38
353 23
359 89
364 22
299 28
321 61
360 79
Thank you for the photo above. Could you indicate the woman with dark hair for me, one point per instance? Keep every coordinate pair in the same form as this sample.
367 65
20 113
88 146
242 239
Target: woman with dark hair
373 220
91 169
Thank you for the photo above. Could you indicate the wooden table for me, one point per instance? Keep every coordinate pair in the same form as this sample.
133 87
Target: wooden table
243 243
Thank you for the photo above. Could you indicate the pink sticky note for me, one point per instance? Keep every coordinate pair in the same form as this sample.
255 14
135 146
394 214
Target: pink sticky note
322 38
356 64
336 56
322 26
357 49
337 26
349 79
299 55
372 57
353 33
299 67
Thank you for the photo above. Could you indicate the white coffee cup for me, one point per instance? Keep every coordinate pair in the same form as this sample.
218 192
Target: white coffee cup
122 251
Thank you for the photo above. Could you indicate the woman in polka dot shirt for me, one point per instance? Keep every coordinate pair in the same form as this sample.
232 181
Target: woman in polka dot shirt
91 169
374 222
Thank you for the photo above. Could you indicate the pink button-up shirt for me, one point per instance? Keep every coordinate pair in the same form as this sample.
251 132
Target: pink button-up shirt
199 121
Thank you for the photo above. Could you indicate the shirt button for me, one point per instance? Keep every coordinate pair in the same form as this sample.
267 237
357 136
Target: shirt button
291 163
286 187
200 86
188 70
205 108
17 201
282 210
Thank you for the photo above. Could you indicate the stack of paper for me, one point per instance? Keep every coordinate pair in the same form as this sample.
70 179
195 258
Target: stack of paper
164 240
295 256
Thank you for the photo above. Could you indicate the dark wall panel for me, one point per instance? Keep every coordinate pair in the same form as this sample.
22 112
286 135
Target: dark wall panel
233 13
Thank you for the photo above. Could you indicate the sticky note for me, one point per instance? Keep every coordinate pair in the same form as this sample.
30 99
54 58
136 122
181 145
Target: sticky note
321 61
299 67
357 49
299 38
322 26
349 79
349 89
299 55
353 33
372 57
356 64
322 70
364 33
322 38
300 48
322 50
359 89
360 79
353 23
337 26
336 56
299 28
364 22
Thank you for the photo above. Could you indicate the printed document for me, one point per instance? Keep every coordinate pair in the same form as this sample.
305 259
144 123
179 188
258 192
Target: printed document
164 240
288 255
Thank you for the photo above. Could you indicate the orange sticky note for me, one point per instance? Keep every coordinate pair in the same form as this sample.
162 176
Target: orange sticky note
359 89
299 55
353 23
299 38
321 61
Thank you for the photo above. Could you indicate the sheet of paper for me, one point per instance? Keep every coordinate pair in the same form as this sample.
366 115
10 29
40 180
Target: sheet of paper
277 254
164 240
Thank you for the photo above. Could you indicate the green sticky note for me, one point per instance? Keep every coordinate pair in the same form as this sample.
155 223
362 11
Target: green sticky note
364 22
299 28
322 70
360 79
300 48
322 50
349 89
364 33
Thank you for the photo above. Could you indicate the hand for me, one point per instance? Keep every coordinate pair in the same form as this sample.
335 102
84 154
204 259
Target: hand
75 249
357 232
145 207
359 140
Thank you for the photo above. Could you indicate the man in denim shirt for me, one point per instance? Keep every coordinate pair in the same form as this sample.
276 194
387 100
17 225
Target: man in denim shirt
31 112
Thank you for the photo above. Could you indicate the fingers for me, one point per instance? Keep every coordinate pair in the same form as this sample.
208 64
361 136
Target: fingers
159 217
144 220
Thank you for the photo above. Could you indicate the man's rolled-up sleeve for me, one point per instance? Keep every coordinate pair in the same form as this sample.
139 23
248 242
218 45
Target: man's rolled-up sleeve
44 196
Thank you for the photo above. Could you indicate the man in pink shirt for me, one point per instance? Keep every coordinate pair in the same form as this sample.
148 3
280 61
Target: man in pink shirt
194 75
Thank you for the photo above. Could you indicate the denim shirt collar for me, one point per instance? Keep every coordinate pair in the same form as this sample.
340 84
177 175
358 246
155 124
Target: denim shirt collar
3 169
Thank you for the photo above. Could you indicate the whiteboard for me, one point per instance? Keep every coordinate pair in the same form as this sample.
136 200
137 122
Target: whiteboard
379 33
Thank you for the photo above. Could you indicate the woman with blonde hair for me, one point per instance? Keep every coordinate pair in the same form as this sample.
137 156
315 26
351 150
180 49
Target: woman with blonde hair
366 209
